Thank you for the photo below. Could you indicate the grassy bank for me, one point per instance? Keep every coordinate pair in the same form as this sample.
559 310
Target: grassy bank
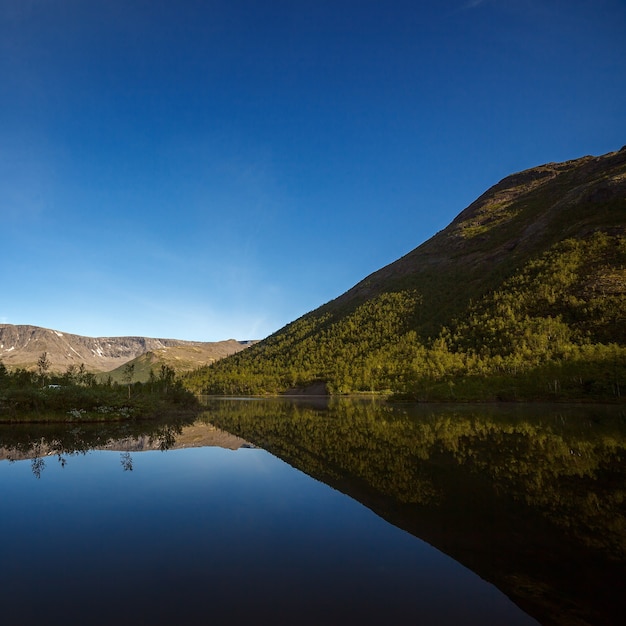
38 397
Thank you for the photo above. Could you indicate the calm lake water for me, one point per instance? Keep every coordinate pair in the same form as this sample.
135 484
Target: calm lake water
353 512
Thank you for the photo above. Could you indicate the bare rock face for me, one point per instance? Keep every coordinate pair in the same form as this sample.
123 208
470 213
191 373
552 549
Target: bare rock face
21 346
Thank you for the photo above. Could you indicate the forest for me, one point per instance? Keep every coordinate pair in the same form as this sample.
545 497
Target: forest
554 330
522 297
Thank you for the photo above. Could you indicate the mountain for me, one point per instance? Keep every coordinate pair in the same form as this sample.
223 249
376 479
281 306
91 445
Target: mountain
529 276
22 345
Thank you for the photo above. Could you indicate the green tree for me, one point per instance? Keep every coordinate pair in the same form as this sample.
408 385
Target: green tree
43 365
166 376
71 374
127 375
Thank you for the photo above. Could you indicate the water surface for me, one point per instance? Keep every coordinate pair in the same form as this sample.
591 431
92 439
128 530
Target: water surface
387 525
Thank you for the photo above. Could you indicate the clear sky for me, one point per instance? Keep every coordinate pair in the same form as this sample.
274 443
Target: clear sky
213 169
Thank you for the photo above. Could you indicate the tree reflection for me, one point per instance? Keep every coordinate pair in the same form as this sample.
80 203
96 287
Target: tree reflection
36 441
37 466
531 498
166 437
127 461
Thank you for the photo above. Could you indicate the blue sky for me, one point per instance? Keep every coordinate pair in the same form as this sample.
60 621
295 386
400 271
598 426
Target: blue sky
213 169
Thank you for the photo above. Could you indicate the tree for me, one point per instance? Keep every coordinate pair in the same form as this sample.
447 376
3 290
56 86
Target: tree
71 374
43 365
127 375
166 376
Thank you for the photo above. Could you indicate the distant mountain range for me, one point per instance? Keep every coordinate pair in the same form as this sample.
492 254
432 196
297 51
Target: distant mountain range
525 288
22 345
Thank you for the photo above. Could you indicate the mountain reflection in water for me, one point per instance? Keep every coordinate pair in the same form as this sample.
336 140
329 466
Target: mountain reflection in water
532 498
42 442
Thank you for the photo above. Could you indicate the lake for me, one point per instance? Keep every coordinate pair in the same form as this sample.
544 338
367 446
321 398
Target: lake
318 512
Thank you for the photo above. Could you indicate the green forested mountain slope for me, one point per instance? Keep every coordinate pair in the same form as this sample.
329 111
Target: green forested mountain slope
523 295
179 358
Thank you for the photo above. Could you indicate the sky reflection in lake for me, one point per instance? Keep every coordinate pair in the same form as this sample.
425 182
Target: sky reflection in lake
209 535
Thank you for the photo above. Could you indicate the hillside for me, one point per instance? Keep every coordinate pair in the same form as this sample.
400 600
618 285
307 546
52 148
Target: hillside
181 358
22 345
529 277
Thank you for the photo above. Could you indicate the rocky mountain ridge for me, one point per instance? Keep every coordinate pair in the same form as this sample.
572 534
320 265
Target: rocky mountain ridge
22 345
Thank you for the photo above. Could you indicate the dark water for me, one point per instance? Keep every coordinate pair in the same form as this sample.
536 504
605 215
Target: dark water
377 515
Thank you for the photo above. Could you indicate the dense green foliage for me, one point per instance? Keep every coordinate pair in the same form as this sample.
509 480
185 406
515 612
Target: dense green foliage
76 395
523 296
